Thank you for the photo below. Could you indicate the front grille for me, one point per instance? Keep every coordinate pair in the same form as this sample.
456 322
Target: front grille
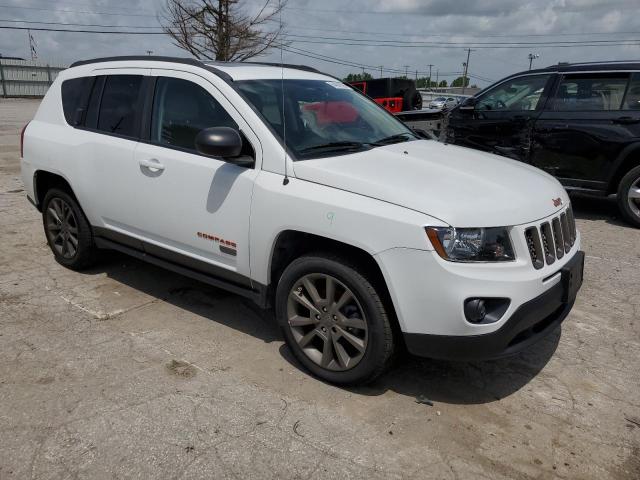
552 239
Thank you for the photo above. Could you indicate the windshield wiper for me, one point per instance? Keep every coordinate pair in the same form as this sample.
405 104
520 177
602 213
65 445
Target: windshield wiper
333 146
398 138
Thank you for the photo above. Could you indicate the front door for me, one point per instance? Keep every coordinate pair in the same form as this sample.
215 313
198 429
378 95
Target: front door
192 208
502 119
586 126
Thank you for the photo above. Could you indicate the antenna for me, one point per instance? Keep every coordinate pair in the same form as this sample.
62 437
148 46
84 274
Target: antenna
285 181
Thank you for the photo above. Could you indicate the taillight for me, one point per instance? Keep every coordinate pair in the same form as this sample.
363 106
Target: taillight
22 140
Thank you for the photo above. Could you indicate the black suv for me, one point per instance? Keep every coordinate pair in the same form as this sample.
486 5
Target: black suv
578 122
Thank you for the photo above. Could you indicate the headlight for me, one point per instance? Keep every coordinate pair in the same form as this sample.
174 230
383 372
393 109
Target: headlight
472 244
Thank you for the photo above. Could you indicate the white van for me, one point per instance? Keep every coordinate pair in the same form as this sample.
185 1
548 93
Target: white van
291 188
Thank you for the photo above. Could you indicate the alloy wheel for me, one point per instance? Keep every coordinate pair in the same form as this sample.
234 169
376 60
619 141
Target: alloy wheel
633 197
327 322
62 228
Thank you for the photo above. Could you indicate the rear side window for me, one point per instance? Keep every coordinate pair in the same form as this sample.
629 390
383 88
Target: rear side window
632 99
75 93
591 92
119 106
181 109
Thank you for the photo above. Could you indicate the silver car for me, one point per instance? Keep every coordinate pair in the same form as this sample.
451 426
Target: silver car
443 103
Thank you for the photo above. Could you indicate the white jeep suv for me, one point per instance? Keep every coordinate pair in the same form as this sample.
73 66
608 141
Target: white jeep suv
284 185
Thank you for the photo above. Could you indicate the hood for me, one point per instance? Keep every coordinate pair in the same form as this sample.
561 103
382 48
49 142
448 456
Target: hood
460 186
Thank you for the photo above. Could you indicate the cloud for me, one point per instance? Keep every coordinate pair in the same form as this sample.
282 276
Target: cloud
435 21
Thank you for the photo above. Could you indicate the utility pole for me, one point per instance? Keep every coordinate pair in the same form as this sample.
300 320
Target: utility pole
430 65
380 71
532 57
416 76
406 71
437 82
466 69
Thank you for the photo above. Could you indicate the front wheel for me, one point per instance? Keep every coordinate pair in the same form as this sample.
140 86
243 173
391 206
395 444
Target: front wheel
334 320
629 196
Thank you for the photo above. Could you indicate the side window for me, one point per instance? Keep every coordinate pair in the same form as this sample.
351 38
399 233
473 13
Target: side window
75 93
632 99
119 105
590 92
516 95
181 109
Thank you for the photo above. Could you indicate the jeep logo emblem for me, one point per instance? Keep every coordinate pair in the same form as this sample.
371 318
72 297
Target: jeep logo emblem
557 202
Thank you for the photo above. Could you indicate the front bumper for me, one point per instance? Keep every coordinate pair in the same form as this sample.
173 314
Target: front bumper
531 322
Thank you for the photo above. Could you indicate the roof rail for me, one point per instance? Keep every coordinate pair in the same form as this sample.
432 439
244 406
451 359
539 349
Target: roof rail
304 68
208 65
606 62
157 58
188 61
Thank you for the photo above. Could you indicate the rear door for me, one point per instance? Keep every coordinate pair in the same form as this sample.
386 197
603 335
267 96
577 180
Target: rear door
502 120
106 140
585 127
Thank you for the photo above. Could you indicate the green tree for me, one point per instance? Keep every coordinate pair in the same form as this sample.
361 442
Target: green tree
358 77
423 82
443 83
458 82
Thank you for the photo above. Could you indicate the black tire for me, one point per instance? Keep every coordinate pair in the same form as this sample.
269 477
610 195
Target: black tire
77 256
380 345
630 212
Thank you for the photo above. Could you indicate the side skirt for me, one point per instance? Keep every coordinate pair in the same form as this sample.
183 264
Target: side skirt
258 294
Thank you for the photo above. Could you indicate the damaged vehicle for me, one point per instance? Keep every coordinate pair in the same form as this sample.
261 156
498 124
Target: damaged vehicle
578 122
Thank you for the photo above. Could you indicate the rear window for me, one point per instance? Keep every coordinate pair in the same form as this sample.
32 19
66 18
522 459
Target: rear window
118 108
75 93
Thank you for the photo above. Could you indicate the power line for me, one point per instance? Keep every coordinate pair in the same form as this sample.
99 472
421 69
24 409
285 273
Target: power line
366 41
610 43
429 35
464 35
44 29
77 11
79 24
403 43
449 45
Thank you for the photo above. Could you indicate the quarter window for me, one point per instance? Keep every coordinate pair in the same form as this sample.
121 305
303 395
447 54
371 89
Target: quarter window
579 93
516 95
119 105
75 93
181 109
632 99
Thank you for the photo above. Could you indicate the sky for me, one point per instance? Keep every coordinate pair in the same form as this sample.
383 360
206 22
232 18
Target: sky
399 35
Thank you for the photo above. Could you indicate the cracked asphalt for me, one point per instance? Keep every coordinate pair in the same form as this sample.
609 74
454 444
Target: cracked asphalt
129 371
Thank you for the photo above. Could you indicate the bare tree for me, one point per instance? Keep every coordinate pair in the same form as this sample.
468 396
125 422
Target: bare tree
223 30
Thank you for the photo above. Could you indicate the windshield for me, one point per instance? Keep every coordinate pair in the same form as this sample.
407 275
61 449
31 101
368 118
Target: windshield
323 117
440 99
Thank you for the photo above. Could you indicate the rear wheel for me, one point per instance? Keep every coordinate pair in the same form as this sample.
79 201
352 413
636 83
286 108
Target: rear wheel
67 230
333 320
629 196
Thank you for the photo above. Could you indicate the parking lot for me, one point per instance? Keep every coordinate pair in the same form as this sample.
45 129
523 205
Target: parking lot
130 371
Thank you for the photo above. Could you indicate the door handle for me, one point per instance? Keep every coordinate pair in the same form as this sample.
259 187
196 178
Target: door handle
152 164
626 120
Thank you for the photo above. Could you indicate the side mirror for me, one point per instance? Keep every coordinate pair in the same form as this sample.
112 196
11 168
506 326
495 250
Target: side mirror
468 104
223 142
